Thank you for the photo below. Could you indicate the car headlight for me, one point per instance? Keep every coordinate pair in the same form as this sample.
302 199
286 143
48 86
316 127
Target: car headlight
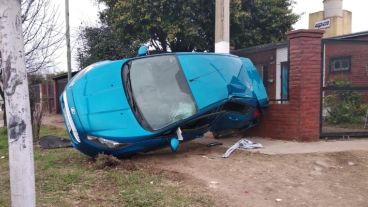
68 117
106 142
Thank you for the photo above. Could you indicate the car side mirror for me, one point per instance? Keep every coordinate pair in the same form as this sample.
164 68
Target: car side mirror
174 144
142 51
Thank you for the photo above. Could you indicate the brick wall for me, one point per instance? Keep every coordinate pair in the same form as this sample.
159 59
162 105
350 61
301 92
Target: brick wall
268 58
358 74
299 118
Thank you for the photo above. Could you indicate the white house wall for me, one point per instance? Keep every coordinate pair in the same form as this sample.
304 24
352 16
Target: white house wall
281 56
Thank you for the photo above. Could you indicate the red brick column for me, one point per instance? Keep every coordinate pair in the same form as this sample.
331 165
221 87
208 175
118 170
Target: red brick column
305 54
299 119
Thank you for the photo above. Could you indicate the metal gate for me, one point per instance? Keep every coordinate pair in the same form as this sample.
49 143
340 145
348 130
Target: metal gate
344 88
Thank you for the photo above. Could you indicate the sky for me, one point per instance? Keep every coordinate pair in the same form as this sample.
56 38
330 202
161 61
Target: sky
357 7
81 13
85 13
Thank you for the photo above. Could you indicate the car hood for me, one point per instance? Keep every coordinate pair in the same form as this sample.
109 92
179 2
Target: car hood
102 106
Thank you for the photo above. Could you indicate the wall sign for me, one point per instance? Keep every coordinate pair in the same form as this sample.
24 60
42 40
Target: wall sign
323 24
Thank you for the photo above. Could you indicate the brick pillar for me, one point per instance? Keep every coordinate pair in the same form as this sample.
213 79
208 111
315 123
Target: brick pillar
305 62
299 118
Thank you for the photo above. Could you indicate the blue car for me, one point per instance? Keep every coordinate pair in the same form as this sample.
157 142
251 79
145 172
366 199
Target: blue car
143 103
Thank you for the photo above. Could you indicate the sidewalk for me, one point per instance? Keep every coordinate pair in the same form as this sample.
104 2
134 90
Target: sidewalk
271 146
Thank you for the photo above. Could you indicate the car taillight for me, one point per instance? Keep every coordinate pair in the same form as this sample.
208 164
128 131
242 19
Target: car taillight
257 114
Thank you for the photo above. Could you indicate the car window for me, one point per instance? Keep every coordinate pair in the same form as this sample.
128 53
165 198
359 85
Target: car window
160 90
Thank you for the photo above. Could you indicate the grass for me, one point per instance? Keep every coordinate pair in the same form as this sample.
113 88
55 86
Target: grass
65 177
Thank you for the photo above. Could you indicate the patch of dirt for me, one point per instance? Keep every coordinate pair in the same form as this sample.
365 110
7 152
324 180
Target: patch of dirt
107 161
255 179
55 120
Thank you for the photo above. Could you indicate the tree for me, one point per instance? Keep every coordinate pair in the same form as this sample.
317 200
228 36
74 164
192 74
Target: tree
42 37
42 34
182 25
255 22
103 43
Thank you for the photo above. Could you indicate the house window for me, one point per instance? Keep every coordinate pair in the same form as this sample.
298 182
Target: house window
262 70
284 81
340 64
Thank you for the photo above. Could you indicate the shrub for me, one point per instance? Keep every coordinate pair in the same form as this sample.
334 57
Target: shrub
345 106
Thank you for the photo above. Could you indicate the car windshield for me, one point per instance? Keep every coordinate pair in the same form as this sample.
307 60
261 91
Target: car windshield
160 91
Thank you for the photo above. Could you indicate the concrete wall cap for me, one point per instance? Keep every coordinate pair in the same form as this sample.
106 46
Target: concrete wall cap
312 33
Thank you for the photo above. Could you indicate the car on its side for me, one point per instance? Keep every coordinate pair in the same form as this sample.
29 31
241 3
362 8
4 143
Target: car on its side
143 103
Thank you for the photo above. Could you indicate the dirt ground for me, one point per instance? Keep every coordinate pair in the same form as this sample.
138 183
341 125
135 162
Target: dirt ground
281 174
256 179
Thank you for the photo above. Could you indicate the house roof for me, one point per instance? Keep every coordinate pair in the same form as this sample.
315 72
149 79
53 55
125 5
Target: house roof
260 48
63 75
270 46
351 35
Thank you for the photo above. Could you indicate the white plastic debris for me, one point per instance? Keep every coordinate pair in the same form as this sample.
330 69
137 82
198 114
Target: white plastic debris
350 163
242 144
278 199
213 184
2 157
179 134
322 163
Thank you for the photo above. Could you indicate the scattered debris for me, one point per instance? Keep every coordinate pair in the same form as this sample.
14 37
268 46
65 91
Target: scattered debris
322 163
278 199
212 144
316 168
2 157
214 184
242 144
53 142
350 163
315 173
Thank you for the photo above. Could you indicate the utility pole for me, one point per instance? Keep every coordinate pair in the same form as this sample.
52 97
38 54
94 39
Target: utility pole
222 26
15 86
67 34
